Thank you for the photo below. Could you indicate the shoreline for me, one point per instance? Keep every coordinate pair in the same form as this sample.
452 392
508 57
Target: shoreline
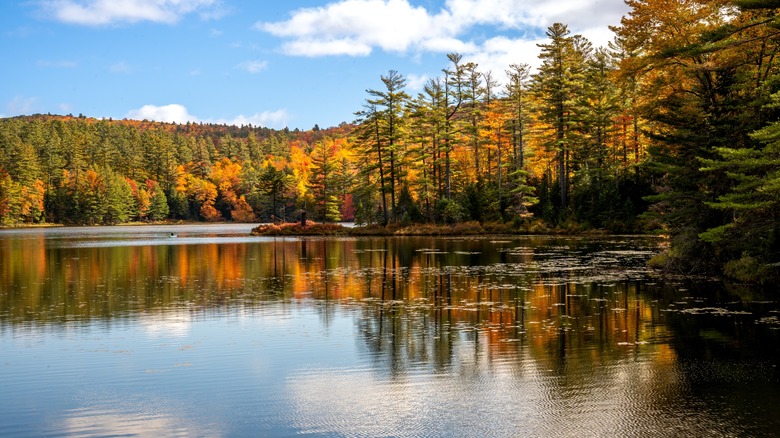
123 224
433 230
294 229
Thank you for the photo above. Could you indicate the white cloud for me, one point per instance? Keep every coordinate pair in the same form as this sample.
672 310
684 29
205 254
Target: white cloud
272 119
119 67
496 54
448 45
353 27
356 27
305 47
253 67
175 113
416 82
106 12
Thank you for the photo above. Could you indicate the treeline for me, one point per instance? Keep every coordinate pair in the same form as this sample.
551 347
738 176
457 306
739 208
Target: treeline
87 171
564 144
673 127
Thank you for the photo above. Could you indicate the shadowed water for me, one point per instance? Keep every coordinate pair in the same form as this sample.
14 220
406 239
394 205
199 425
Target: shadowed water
211 332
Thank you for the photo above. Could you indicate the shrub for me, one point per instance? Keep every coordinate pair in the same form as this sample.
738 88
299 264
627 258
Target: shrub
749 269
295 229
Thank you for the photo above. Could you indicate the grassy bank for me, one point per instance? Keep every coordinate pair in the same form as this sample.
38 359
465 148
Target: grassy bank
461 229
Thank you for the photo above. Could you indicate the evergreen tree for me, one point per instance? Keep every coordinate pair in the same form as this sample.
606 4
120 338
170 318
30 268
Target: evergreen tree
21 159
158 206
390 104
473 97
557 85
369 135
704 61
120 204
454 97
10 199
274 184
323 180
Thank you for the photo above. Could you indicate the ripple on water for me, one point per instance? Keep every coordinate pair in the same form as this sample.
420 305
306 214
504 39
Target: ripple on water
564 342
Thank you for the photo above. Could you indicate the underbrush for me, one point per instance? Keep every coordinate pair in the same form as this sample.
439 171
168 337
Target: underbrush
472 228
751 270
296 229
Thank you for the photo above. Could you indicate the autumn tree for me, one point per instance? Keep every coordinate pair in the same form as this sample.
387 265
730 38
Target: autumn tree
158 202
701 60
518 106
273 185
119 201
454 97
231 200
323 180
557 85
390 104
372 145
747 241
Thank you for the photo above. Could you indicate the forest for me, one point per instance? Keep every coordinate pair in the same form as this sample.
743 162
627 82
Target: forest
672 128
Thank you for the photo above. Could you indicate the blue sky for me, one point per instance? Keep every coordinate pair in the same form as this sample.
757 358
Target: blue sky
268 63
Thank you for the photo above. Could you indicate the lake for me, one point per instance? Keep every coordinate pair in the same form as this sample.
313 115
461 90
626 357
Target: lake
204 330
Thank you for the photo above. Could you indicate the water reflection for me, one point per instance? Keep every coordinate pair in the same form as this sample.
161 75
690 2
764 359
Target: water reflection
131 418
531 336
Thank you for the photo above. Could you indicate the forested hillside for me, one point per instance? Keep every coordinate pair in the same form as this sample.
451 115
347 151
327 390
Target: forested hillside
87 171
673 127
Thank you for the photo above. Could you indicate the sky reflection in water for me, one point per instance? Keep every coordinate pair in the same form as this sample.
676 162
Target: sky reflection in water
117 331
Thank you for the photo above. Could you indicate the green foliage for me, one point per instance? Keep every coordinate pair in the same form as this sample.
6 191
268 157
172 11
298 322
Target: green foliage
450 211
158 208
710 83
10 199
69 170
120 205
757 4
748 269
560 79
753 201
367 209
522 194
408 210
322 181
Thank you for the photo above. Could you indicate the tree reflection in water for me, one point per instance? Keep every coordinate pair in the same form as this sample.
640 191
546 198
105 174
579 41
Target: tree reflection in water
570 321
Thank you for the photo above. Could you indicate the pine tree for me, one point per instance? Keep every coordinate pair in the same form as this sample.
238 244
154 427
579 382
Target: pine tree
390 104
557 85
120 204
158 205
701 61
369 135
518 105
454 97
323 180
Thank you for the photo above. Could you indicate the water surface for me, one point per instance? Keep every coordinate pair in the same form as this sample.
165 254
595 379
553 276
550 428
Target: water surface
212 332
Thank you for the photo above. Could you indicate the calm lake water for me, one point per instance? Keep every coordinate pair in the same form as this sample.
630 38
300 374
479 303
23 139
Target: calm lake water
130 331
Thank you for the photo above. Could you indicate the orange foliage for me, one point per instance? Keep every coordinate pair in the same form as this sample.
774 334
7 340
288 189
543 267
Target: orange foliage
300 162
32 201
226 176
202 192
